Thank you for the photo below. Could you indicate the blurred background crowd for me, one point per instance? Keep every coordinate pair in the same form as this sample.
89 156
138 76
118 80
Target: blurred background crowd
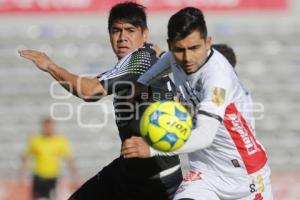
264 34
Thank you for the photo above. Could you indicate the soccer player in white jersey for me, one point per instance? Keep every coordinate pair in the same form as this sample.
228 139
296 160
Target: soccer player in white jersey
226 160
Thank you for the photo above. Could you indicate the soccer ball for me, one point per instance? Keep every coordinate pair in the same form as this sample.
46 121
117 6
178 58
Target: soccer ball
166 125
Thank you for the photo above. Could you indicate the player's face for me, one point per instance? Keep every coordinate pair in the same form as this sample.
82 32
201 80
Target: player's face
191 52
125 38
48 128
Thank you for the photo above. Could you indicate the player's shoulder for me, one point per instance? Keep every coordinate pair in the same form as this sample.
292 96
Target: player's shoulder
217 71
144 56
35 139
145 51
138 56
60 139
218 64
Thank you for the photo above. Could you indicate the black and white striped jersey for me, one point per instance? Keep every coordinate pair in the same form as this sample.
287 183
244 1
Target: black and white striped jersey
120 82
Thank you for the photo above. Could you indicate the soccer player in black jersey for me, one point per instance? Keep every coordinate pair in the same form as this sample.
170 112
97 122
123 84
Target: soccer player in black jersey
123 179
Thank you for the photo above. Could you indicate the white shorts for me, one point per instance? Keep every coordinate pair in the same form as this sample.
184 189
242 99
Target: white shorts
204 186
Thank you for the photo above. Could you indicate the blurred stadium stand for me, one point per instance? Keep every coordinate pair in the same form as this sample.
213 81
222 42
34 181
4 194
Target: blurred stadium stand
266 43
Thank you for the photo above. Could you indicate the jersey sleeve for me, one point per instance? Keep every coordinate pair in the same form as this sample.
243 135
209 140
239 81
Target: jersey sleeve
161 68
127 70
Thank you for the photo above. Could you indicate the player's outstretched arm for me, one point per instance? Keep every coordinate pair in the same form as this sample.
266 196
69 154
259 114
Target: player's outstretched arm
88 89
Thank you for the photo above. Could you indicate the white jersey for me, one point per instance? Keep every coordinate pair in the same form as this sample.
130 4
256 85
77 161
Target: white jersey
215 91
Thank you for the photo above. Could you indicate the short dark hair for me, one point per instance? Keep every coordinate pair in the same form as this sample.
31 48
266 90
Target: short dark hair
130 12
184 22
227 52
47 120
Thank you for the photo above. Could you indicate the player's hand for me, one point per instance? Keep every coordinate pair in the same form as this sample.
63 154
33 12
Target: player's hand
157 49
40 59
135 147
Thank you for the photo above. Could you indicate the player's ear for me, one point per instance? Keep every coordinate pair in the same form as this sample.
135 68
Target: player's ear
145 34
208 43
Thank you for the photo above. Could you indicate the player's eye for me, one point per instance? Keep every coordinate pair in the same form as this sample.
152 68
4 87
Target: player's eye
115 30
178 50
194 48
131 30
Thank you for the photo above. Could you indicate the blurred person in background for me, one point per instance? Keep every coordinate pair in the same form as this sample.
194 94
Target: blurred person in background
226 51
226 161
47 149
127 179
